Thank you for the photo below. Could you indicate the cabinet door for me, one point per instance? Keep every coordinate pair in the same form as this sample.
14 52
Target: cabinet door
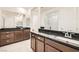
39 46
33 43
18 35
26 34
59 46
50 49
67 19
6 38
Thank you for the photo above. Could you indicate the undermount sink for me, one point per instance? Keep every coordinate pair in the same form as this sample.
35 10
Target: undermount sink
65 40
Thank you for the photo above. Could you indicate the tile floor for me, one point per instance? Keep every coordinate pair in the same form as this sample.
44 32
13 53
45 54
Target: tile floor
23 46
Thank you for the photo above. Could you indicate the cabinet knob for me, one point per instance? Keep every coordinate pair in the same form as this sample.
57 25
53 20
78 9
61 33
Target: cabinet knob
7 32
38 37
7 35
32 35
7 41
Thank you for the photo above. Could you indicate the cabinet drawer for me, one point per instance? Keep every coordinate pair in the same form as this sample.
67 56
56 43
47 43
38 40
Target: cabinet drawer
6 36
60 46
18 35
3 36
5 33
26 34
11 36
33 43
6 41
26 30
39 37
50 49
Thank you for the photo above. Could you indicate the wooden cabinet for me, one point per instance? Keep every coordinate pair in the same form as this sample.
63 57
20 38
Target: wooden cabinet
48 48
39 46
18 35
33 42
39 43
6 38
59 46
43 44
26 34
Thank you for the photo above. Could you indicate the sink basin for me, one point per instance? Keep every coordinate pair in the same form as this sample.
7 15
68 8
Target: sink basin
66 40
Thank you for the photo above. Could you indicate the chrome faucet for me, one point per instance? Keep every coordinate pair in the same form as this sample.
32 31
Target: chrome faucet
50 27
68 35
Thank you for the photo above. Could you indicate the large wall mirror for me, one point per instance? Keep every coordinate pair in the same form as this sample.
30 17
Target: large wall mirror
61 18
51 20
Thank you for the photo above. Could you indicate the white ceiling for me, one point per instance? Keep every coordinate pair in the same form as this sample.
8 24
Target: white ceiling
14 9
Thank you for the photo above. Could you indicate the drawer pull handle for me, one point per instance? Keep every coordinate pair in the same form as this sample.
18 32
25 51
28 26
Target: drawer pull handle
7 32
7 41
39 38
7 35
32 35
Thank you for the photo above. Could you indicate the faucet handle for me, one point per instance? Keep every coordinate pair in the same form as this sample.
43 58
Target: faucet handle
70 36
66 34
50 27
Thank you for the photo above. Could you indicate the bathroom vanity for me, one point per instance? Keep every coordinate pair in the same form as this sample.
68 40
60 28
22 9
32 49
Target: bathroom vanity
41 42
12 35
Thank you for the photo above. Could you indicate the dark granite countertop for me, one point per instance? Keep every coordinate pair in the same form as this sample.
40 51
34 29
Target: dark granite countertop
59 33
13 29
